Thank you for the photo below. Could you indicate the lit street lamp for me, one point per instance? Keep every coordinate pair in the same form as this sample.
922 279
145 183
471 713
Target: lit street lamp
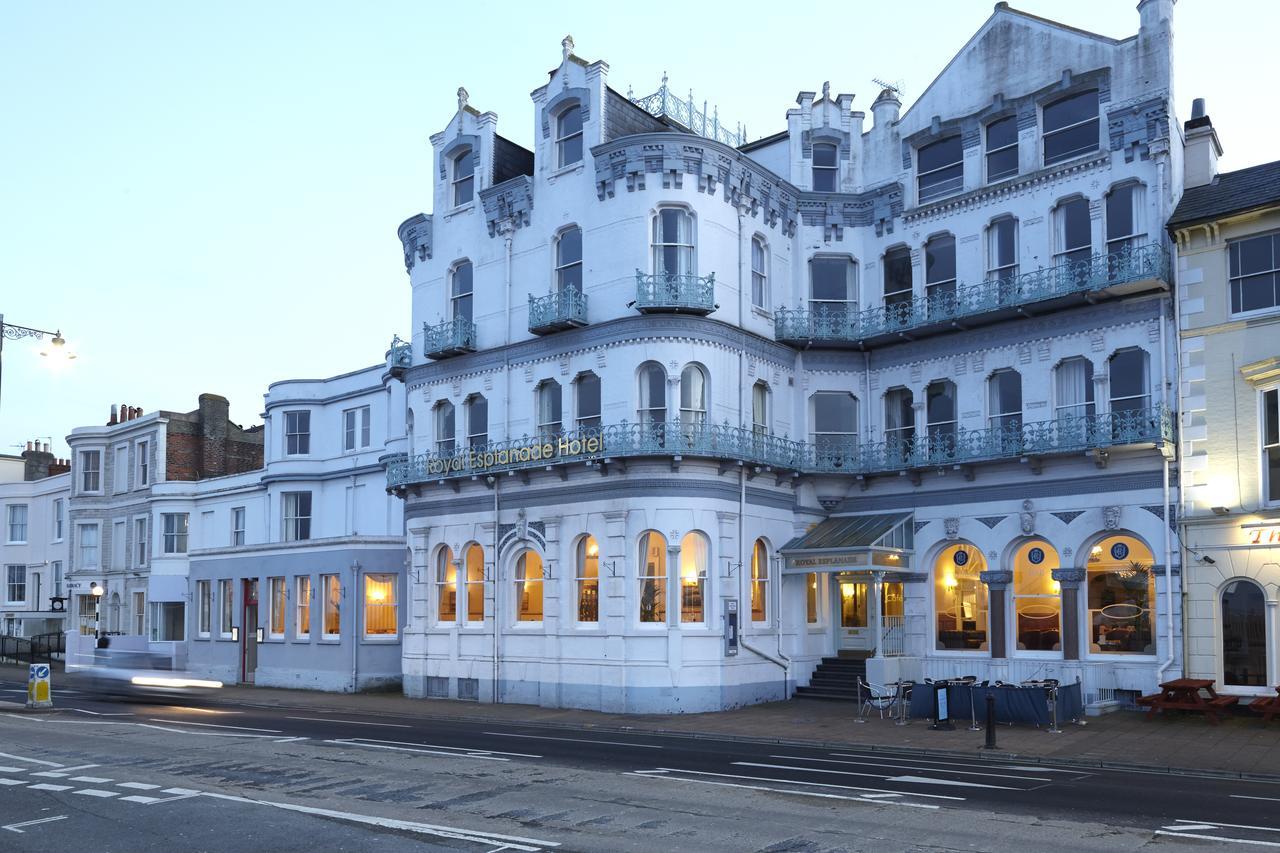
97 591
9 331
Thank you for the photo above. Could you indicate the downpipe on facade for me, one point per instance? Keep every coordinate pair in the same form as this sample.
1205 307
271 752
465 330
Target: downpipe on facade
506 434
355 626
1169 511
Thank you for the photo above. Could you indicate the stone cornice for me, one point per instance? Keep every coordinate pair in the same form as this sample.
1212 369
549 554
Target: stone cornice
1262 372
510 201
415 238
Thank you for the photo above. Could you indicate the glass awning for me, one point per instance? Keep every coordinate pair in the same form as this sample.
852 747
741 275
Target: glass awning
877 542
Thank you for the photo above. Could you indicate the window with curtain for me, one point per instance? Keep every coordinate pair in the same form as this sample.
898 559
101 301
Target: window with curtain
759 582
826 168
1004 392
759 273
460 292
835 421
446 586
569 260
1002 249
550 418
477 421
1037 598
302 607
588 580
380 618
939 169
653 394
475 583
331 589
1075 237
464 177
899 421
1071 127
226 607
1122 597
569 136
276 625
693 395
1255 273
653 577
529 587
446 428
811 598
1002 149
673 242
587 397
87 536
760 408
695 555
204 592
940 275
833 286
960 599
1271 446
1073 390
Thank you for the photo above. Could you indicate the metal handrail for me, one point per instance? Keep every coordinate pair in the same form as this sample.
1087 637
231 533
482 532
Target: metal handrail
456 335
568 305
676 291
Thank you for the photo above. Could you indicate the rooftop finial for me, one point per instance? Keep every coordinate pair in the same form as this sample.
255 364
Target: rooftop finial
462 98
566 47
826 90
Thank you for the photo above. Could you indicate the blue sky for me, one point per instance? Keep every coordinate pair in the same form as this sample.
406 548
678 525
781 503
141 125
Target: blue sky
204 197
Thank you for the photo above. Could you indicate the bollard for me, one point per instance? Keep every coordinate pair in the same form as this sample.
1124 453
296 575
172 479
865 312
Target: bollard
39 693
991 722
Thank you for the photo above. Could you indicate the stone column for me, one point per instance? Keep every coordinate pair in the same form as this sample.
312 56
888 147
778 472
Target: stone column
1069 580
997 594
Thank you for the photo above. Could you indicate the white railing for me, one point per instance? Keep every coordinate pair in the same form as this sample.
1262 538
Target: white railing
893 640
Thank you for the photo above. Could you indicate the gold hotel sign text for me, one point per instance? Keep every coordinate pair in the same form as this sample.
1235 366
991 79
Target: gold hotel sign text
478 459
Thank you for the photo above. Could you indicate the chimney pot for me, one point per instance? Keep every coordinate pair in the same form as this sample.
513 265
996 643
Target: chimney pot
1197 108
114 417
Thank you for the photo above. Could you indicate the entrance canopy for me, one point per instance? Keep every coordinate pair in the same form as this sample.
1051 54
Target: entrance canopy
883 542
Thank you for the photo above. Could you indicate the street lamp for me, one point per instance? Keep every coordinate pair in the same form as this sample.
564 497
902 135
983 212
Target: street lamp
8 331
97 591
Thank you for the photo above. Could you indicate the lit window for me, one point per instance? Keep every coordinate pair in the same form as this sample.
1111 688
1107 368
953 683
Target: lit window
940 169
1071 127
811 598
759 273
1255 273
1002 149
297 433
695 555
446 586
296 516
464 177
380 618
569 261
275 627
673 243
1002 249
825 168
1122 595
1271 446
204 594
1037 598
460 288
331 589
302 607
833 285
569 136
550 413
653 577
475 584
960 598
175 532
759 582
446 440
588 580
587 395
477 421
529 587
355 428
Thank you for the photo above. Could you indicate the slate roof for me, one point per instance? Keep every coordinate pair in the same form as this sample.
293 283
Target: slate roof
1230 192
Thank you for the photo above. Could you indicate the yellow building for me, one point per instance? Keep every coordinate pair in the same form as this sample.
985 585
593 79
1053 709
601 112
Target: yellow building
1227 230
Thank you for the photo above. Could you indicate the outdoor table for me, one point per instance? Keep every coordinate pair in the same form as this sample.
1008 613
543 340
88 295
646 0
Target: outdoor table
1267 706
901 693
1188 694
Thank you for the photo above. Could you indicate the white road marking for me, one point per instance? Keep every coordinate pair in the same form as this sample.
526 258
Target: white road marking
1218 838
801 782
182 792
1235 825
913 767
137 786
925 780
351 722
433 749
96 792
988 765
30 760
202 734
138 798
217 726
419 751
887 778
16 827
1189 826
101 713
576 740
1247 797
511 842
52 774
865 798
92 780
290 739
12 769
45 786
12 782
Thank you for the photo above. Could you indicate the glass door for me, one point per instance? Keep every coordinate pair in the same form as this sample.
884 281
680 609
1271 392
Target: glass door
249 632
855 631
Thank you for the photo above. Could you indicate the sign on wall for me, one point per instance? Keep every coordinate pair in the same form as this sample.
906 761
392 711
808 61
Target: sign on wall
535 450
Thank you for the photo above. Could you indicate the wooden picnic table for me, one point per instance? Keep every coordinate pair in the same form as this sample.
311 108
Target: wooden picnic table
1267 706
1188 694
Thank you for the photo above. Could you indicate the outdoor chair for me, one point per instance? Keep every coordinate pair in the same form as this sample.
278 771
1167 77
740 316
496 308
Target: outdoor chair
876 696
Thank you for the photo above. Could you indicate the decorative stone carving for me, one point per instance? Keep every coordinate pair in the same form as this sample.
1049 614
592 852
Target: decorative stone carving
991 520
510 201
995 579
1068 516
1027 518
1068 577
415 238
1111 517
463 97
952 527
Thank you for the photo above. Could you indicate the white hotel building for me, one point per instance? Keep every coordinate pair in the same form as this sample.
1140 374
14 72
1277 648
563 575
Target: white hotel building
686 416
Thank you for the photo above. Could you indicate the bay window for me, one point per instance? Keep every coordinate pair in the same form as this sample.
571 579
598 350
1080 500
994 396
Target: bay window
672 243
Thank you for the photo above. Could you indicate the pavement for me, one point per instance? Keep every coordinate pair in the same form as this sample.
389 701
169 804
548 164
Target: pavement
1241 746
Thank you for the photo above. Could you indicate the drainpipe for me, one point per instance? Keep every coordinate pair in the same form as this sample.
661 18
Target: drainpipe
507 230
1168 531
497 589
355 626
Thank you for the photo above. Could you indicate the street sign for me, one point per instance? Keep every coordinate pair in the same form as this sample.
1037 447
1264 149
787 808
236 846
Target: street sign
39 692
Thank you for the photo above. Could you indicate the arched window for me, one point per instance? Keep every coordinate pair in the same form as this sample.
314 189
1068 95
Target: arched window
760 408
477 421
1130 386
940 275
446 585
1073 389
1244 635
653 394
569 136
1124 222
588 579
695 555
587 397
939 169
940 414
1037 598
833 285
899 422
960 598
1070 127
529 587
653 577
409 429
759 582
1122 596
475 582
550 420
1002 149
897 283
569 260
460 291
835 421
445 433
673 243
464 177
825 168
1074 242
759 273
1004 395
693 395
1002 249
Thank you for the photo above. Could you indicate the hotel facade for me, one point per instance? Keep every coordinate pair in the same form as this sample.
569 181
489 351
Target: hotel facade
685 415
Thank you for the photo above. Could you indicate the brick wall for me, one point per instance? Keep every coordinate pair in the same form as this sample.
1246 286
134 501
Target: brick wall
205 443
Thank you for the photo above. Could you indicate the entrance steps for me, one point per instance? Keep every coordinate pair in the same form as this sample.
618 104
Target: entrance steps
836 679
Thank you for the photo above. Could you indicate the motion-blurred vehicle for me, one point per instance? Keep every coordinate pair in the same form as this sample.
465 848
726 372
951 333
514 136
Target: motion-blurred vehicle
135 674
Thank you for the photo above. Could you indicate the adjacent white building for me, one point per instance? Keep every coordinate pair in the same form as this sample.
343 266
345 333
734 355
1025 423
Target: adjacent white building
33 544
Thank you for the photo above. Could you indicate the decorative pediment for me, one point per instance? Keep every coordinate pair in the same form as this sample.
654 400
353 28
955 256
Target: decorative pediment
510 201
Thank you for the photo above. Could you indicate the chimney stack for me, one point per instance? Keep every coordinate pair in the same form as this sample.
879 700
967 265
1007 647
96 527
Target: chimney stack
36 462
1202 148
114 419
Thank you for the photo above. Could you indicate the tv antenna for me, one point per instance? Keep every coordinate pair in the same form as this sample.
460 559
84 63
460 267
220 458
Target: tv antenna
894 86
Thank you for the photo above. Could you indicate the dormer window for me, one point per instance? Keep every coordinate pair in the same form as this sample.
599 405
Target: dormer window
939 169
464 177
569 136
1071 127
825 169
1002 149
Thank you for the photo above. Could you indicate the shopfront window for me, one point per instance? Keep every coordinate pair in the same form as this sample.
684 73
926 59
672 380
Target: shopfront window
961 599
1244 635
1037 598
1122 594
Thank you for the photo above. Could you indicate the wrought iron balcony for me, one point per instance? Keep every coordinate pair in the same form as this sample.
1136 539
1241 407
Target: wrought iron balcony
1116 273
452 337
1099 432
564 309
400 354
667 293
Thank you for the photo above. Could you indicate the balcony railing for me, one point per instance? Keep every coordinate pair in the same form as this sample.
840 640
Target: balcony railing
669 293
1101 272
452 337
400 354
741 444
563 309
